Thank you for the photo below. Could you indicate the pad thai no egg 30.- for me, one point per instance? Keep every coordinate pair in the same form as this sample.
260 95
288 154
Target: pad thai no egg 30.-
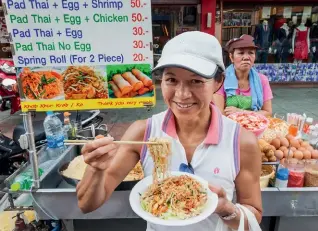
41 84
83 82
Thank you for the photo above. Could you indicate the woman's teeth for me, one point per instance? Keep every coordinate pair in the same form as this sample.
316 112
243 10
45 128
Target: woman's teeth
184 105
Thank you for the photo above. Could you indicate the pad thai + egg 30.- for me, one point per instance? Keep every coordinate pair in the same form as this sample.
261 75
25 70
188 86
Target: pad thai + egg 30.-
83 83
41 84
177 197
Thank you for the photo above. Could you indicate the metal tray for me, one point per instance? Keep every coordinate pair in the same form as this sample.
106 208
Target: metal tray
123 186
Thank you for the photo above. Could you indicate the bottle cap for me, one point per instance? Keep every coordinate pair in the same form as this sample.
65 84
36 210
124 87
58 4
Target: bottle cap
49 113
67 113
282 174
15 186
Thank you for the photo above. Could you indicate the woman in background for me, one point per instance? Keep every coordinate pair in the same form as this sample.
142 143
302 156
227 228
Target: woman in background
244 89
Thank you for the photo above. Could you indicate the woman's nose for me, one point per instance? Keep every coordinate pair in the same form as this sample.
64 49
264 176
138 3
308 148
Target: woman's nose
183 91
246 56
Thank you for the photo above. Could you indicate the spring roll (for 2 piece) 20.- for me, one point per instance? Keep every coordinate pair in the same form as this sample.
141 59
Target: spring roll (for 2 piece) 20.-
122 84
135 83
142 77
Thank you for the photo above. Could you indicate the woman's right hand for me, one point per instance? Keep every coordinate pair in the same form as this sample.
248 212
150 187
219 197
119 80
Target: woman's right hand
99 153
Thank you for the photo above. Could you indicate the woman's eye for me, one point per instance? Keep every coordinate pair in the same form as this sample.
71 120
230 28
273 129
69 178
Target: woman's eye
195 81
171 80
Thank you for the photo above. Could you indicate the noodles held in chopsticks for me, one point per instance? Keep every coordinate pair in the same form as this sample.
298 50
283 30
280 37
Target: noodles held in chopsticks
160 154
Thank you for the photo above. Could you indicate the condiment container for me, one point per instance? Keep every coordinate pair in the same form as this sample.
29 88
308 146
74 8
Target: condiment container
296 175
311 174
282 178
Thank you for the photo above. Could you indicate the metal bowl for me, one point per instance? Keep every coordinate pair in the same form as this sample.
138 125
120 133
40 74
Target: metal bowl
69 180
123 186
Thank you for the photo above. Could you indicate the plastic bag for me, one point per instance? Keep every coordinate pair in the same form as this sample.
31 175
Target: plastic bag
252 222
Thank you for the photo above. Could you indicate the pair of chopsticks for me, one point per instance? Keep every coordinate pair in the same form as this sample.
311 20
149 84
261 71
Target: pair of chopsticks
83 142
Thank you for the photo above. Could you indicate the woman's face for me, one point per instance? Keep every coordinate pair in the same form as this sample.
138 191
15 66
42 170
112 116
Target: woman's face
243 58
186 93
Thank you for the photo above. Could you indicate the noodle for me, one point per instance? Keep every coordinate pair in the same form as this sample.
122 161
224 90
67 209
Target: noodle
41 84
178 197
160 154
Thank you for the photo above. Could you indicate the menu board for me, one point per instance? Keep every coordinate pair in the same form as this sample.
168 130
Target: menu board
82 54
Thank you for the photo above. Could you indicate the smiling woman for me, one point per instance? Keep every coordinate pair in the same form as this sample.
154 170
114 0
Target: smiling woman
203 142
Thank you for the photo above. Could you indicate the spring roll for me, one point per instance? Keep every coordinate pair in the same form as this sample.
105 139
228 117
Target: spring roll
116 90
134 82
151 87
143 90
133 94
142 77
122 84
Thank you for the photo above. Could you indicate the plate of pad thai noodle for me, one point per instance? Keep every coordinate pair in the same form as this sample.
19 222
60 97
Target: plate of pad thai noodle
41 84
83 82
171 198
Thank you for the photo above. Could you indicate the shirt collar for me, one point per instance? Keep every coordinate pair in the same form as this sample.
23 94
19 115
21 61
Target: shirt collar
215 129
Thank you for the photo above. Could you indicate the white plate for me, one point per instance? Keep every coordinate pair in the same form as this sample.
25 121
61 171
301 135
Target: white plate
142 186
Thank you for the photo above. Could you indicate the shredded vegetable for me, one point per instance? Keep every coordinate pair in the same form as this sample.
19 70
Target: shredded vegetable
177 197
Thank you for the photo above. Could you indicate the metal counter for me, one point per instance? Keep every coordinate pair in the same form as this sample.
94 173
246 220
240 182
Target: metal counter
57 200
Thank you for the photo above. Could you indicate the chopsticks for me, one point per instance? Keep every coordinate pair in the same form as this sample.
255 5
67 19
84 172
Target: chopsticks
83 142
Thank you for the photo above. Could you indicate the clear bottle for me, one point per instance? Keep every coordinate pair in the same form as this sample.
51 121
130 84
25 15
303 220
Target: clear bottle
24 181
67 126
53 128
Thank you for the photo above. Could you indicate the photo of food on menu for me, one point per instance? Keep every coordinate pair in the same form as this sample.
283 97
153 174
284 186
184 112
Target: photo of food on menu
86 82
60 83
129 81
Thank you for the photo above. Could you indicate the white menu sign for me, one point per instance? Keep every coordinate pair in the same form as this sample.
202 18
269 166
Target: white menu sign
79 32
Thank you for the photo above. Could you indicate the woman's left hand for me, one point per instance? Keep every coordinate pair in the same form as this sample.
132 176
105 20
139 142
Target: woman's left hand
230 110
225 207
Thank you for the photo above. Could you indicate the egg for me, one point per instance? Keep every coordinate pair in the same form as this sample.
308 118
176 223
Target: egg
307 154
283 148
293 148
288 154
310 148
284 142
282 161
298 155
279 154
295 143
314 154
276 143
289 137
305 144
302 149
272 148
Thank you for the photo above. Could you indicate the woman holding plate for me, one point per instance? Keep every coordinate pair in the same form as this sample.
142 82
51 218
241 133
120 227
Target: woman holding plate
204 142
244 88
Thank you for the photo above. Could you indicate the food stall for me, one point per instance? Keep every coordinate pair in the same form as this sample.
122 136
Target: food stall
115 76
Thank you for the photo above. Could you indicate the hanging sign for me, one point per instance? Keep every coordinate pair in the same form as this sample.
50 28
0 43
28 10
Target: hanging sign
83 54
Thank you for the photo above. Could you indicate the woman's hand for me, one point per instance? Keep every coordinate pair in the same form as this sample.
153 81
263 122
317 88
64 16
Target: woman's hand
98 153
230 110
225 207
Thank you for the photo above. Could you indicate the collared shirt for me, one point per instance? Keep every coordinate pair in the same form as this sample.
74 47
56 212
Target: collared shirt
216 159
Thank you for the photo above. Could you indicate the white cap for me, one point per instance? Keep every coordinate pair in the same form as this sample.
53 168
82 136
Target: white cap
195 51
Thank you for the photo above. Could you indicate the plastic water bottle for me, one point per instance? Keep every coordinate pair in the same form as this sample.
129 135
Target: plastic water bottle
54 132
24 181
